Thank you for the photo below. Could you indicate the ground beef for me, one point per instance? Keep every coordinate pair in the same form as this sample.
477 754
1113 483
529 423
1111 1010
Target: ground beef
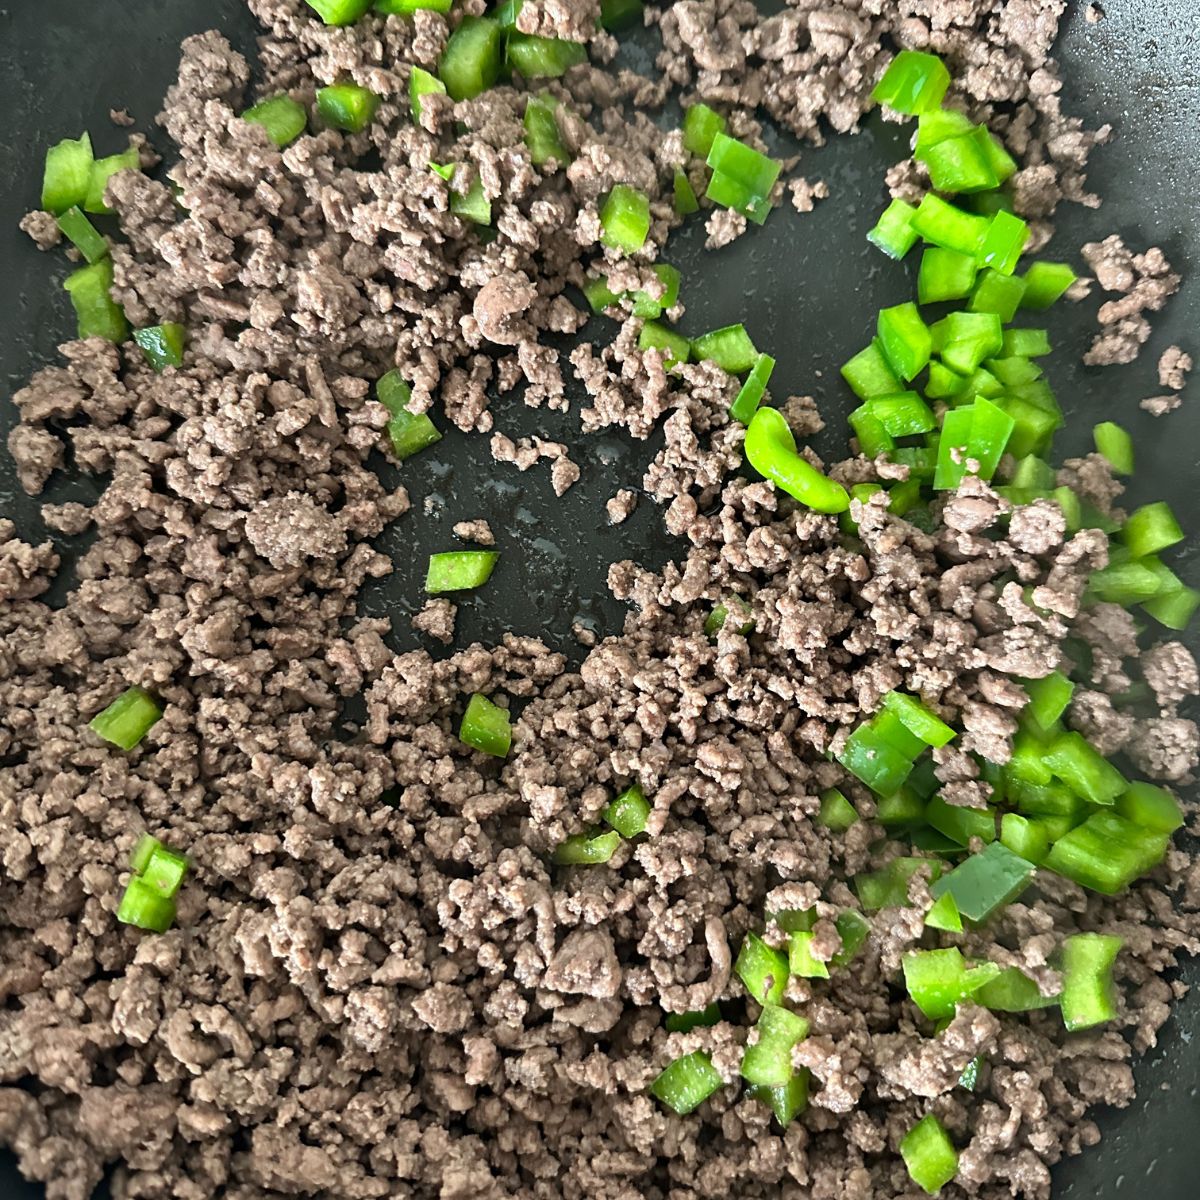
1145 282
477 531
380 981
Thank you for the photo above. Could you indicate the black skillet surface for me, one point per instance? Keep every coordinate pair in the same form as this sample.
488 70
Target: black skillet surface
807 287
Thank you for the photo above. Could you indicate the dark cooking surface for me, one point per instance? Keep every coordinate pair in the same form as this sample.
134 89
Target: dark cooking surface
63 64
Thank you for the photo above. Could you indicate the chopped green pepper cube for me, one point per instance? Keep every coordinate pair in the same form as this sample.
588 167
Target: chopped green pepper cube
587 849
1115 444
915 82
936 126
701 125
162 344
1013 372
944 225
687 1021
893 232
952 448
542 57
1124 583
903 810
472 205
1151 528
1174 608
486 726
986 882
83 235
965 339
888 725
938 980
789 1101
873 439
346 106
715 621
960 164
541 131
903 414
647 306
800 958
1044 283
460 570
944 914
599 295
283 118
627 814
146 908
945 384
730 348
1042 799
836 813
869 374
408 432
874 761
960 824
748 398
687 1082
339 12
1048 698
68 175
999 294
1014 992
1150 807
1024 838
625 219
674 347
127 719
421 84
919 719
1034 473
97 313
1073 760
763 970
767 1062
1003 243
508 12
746 166
906 340
103 169
1026 343
945 275
929 1155
470 63
685 195
1107 852
164 871
1089 995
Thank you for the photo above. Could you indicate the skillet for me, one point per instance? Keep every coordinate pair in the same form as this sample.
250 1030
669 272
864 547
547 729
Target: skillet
64 64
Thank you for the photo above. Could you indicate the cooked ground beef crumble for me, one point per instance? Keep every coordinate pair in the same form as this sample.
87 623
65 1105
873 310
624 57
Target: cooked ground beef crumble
377 984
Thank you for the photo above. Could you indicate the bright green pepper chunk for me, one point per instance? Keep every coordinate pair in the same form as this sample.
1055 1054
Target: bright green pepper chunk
68 175
888 887
470 63
1003 243
869 373
283 118
687 1082
542 57
945 275
625 219
486 727
960 164
628 813
918 719
836 813
472 205
162 345
1045 283
541 131
686 1022
999 294
685 195
97 313
587 849
902 415
1089 994
1086 772
747 168
938 980
944 225
929 1155
127 719
915 82
944 914
674 347
145 908
1150 807
1115 444
960 824
406 8
906 340
164 871
730 348
789 1101
1024 837
460 570
1012 991
748 398
83 235
1151 528
893 232
408 432
347 106
700 125
763 969
1107 853
768 1061
771 451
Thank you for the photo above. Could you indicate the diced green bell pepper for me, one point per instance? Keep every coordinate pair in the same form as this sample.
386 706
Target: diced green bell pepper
986 882
770 449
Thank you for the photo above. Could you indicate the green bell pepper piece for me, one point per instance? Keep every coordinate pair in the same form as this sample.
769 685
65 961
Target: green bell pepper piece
986 882
771 450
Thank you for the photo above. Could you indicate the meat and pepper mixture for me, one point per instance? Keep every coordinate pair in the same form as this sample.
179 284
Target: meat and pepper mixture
378 982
